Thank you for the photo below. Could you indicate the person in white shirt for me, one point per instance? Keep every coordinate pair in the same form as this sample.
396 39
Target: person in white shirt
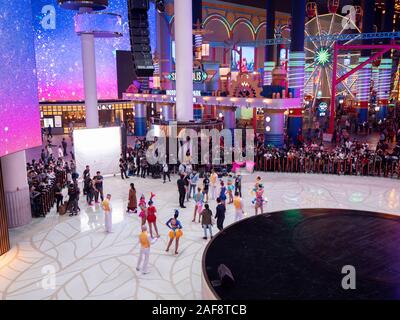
60 152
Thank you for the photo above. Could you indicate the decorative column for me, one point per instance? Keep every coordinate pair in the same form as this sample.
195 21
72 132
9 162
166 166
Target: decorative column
89 25
16 190
296 66
4 238
89 80
168 112
140 120
385 68
363 91
365 74
274 122
229 119
184 59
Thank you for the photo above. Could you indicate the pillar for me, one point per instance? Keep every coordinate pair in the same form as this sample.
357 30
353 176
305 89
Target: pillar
140 120
184 59
229 119
269 63
16 189
365 74
363 91
274 123
4 237
164 49
89 77
168 112
296 66
197 112
384 74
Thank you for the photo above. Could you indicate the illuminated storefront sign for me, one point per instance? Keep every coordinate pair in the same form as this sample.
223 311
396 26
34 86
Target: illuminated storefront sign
196 93
198 76
322 108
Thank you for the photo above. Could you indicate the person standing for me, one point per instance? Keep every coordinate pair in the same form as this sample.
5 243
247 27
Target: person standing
220 214
181 190
238 184
238 204
58 194
213 181
166 172
194 178
132 204
145 243
123 168
107 209
64 145
222 193
86 173
206 221
198 207
152 218
60 152
206 187
175 231
98 184
49 131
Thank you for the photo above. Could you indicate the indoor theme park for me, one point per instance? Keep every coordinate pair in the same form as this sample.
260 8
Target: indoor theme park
199 150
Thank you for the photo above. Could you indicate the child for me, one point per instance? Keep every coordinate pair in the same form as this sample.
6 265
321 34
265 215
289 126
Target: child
143 209
198 198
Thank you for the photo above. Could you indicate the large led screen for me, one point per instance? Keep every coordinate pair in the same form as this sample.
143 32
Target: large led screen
19 106
58 51
98 148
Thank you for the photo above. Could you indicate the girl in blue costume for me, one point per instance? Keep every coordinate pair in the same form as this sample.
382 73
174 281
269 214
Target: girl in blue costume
175 231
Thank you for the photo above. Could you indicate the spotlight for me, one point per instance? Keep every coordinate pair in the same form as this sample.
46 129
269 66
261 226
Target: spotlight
268 119
268 128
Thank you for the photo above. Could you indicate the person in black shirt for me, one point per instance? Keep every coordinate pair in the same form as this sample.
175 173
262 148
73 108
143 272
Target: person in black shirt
220 214
238 184
58 194
123 168
98 185
206 187
182 191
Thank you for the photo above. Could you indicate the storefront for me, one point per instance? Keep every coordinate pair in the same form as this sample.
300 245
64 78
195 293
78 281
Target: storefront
65 116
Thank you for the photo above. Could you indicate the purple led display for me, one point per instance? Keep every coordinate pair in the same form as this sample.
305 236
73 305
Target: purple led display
58 52
19 106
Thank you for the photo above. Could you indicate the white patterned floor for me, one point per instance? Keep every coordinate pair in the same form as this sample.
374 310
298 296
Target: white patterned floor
90 264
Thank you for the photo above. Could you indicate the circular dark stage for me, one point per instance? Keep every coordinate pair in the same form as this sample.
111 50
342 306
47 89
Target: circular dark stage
300 254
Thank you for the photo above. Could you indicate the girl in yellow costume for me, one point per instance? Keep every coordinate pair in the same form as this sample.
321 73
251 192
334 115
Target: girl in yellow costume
175 231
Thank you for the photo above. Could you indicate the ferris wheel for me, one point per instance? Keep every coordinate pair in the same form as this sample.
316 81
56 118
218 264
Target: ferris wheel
319 57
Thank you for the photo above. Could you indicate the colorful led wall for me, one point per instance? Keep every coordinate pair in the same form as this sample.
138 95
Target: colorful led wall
19 107
58 52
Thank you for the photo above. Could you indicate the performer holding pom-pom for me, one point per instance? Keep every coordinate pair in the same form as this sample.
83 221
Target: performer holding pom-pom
175 231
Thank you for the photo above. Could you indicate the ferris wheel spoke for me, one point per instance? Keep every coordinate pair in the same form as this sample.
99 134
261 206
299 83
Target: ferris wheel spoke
327 80
308 80
345 86
330 27
308 49
312 41
319 29
351 40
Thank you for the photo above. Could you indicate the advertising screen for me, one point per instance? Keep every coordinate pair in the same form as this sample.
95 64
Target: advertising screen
19 106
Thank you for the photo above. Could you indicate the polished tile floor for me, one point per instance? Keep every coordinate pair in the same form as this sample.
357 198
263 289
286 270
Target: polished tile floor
73 258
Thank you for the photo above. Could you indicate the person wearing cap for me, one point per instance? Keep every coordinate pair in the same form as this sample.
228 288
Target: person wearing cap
175 231
145 243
